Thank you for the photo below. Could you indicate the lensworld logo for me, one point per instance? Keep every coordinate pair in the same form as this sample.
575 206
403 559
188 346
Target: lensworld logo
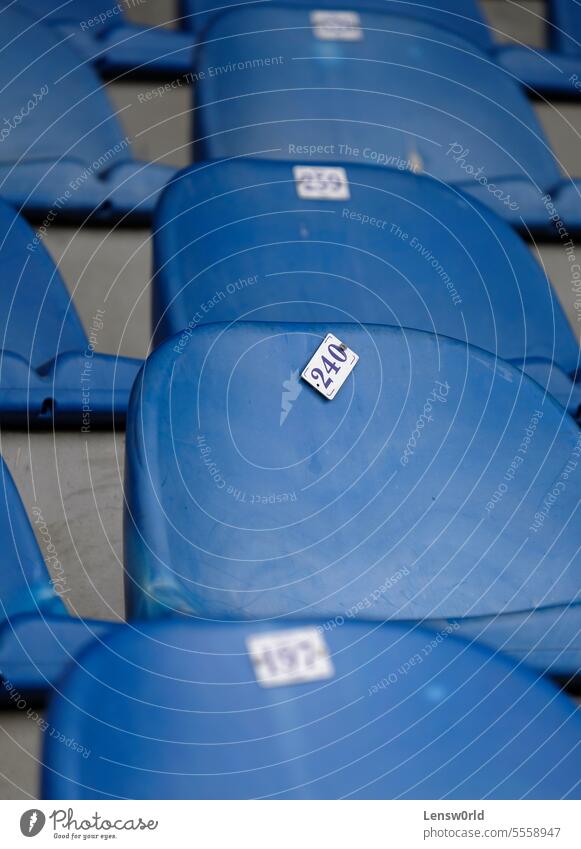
32 822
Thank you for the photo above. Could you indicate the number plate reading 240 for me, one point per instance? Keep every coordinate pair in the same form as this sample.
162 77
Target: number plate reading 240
330 366
289 657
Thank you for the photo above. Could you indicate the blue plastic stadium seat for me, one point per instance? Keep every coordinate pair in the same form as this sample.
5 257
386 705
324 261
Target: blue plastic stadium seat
556 650
234 240
271 85
176 710
63 153
37 636
557 69
542 71
440 483
564 30
99 32
460 16
25 585
50 373
552 72
37 648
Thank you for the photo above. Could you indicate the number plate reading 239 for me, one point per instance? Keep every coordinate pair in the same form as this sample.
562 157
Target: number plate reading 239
330 366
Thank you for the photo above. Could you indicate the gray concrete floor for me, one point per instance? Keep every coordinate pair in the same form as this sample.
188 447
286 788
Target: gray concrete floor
77 481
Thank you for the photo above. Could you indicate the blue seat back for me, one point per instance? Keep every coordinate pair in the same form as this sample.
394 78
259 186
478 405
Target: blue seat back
240 240
564 28
63 153
39 319
249 495
97 15
101 35
177 711
25 583
384 96
461 16
56 101
50 372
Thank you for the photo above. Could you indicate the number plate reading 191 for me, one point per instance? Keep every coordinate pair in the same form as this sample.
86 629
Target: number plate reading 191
330 367
290 657
321 182
336 26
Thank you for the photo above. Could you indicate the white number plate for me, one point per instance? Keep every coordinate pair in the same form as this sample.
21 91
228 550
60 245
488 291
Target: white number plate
321 183
336 26
330 366
290 657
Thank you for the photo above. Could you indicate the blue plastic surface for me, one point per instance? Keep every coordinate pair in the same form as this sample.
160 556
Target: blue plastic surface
567 203
544 72
175 712
49 370
63 153
438 473
555 71
460 16
548 639
233 240
36 649
38 638
25 583
564 30
99 32
277 91
552 72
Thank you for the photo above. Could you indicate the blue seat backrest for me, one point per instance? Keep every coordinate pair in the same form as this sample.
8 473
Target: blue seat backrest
564 28
234 240
250 495
50 372
461 16
291 94
54 102
38 316
25 584
176 710
98 14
